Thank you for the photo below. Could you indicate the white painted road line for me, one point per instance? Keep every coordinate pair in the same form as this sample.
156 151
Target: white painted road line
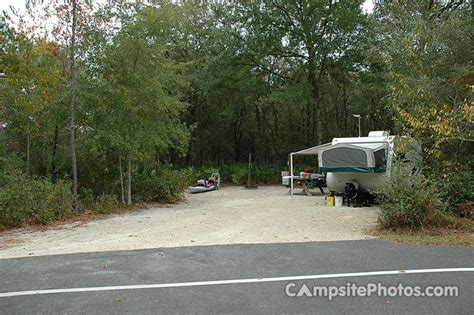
232 281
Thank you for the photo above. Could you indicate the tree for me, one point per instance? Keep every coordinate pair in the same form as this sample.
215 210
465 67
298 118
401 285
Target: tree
72 109
429 72
310 35
135 97
31 92
429 76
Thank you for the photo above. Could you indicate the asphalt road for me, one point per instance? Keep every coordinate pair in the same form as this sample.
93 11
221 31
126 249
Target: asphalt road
227 262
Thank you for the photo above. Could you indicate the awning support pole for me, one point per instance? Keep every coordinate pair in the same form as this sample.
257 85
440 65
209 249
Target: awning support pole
291 174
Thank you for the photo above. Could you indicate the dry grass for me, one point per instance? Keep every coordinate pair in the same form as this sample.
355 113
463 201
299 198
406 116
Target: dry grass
443 230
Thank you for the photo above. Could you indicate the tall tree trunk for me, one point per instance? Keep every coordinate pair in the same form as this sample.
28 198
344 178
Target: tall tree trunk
122 188
375 125
53 155
317 111
315 94
28 145
276 131
290 145
238 136
337 119
313 124
28 124
72 87
262 135
158 161
307 123
129 182
345 110
201 155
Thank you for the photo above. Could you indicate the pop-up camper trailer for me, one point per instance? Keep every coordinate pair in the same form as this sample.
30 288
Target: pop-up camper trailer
354 164
362 161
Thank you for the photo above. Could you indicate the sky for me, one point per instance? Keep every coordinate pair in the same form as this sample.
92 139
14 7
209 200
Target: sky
5 4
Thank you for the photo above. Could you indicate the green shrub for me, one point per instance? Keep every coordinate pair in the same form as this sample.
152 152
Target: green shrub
87 198
106 203
166 186
407 201
267 174
455 189
9 165
34 200
237 173
60 200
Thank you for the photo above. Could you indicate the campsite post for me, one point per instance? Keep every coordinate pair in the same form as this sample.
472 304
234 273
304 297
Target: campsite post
291 174
359 117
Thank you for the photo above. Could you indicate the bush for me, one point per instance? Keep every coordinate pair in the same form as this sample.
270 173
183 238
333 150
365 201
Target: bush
59 202
237 173
267 174
166 186
455 189
407 201
34 200
106 203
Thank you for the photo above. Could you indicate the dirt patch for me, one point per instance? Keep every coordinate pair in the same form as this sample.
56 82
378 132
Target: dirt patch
233 215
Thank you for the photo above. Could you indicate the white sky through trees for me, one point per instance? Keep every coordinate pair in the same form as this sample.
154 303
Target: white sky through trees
20 4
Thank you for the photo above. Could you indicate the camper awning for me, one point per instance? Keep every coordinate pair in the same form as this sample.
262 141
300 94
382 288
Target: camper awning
313 150
309 151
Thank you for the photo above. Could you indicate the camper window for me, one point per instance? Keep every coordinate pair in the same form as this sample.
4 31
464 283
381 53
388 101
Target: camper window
380 158
344 156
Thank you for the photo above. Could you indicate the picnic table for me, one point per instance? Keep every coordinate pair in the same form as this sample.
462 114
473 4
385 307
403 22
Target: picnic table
310 183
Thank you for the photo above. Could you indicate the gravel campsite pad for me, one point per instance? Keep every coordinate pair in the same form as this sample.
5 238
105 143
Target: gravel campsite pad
232 215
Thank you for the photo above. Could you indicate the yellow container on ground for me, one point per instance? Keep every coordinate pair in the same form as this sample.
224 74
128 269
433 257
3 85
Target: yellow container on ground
330 201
